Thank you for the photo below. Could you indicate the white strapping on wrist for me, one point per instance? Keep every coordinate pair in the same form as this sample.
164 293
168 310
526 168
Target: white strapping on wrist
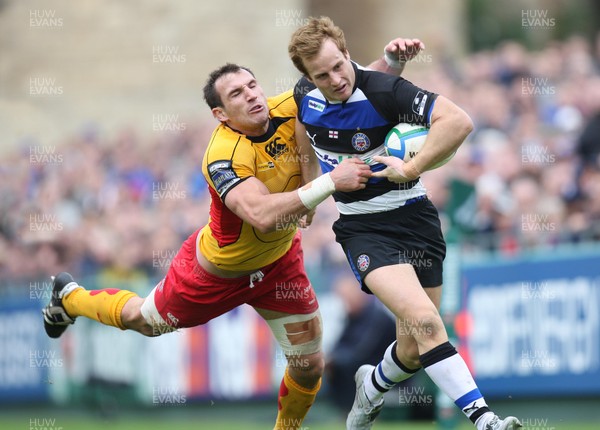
391 60
316 191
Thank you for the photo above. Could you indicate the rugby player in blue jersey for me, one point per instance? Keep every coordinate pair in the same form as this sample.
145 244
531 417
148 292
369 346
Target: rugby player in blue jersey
389 231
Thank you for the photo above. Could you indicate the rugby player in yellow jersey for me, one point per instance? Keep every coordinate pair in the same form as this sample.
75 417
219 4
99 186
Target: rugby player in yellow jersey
249 248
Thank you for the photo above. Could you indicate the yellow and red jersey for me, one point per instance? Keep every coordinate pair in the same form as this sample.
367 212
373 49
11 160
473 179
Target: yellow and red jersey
231 157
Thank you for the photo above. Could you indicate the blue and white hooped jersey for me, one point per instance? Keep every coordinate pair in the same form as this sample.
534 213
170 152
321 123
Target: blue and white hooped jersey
357 127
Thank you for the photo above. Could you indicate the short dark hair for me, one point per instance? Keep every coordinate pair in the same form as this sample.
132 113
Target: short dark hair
211 96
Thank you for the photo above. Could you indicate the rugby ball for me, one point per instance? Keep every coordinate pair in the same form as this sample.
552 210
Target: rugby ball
406 140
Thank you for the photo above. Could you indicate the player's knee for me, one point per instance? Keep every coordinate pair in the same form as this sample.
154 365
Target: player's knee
312 365
148 330
147 320
427 324
131 315
299 336
133 319
306 369
138 315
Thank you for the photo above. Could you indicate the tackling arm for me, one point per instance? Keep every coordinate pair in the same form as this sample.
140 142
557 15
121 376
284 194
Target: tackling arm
309 165
252 201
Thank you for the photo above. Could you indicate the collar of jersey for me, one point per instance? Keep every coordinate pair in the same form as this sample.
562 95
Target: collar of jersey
274 124
256 139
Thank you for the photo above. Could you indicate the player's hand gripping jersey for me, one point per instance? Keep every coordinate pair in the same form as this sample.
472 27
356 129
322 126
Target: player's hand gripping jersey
231 157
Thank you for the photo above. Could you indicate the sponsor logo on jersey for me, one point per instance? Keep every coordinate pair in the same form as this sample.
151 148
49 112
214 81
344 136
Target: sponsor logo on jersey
265 166
318 106
418 104
218 165
362 262
223 179
333 134
274 148
361 142
222 175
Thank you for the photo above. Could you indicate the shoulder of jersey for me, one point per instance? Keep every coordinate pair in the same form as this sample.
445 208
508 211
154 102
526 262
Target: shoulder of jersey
282 105
222 143
379 81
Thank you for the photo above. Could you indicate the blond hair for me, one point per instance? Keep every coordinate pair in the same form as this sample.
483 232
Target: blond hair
306 41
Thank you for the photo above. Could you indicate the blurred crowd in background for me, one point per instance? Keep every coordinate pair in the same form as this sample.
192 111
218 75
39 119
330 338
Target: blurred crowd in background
119 207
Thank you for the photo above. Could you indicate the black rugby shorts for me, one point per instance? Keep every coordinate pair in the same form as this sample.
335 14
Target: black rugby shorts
410 234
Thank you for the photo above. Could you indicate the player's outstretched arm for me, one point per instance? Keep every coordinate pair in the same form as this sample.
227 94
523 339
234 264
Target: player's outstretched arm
252 202
396 54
